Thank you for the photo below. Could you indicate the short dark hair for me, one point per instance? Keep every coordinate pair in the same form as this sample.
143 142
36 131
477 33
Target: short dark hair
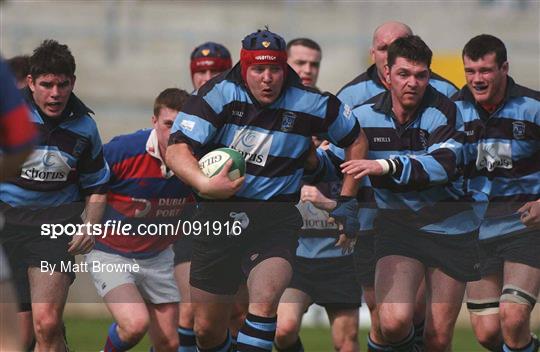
172 98
20 66
308 43
411 48
52 57
484 44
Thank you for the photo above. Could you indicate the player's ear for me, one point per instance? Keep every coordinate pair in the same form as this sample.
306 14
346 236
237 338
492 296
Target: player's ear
30 82
387 73
505 67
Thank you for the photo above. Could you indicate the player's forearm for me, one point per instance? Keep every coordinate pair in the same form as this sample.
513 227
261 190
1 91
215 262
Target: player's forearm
185 166
357 150
94 209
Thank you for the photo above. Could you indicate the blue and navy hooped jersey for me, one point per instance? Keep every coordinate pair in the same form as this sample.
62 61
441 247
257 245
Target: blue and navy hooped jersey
502 156
274 139
425 191
368 85
141 190
357 92
66 165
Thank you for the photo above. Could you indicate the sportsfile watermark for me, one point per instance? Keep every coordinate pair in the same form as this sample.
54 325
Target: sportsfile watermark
121 228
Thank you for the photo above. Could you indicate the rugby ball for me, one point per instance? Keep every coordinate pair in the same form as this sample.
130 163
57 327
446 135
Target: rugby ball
212 163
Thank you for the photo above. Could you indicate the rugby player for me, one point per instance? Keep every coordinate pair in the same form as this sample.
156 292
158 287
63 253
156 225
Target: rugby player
358 91
502 121
425 231
207 61
304 56
323 273
261 109
17 136
66 167
142 190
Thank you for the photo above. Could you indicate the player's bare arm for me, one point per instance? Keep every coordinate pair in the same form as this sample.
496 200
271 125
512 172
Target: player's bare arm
95 206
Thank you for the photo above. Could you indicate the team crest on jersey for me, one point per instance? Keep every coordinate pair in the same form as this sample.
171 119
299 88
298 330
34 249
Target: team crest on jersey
266 44
287 121
205 52
79 148
518 129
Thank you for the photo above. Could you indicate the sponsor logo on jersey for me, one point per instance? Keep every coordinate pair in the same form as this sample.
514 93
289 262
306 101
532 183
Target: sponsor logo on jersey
46 165
253 145
518 129
381 139
494 155
242 218
187 125
287 121
314 218
347 111
237 113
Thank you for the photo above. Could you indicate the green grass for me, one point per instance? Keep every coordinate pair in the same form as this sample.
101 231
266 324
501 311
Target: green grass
90 334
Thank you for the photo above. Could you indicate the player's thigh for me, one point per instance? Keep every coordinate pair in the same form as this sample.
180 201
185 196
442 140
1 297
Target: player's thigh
445 297
9 334
397 279
127 306
483 302
291 308
522 276
48 287
268 279
181 274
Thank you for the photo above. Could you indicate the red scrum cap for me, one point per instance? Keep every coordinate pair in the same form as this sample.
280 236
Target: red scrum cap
263 47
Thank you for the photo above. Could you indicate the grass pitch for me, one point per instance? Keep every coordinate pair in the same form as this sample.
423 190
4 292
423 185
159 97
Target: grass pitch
85 335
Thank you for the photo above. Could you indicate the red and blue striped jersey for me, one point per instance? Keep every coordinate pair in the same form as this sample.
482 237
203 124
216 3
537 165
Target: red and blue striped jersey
16 130
141 191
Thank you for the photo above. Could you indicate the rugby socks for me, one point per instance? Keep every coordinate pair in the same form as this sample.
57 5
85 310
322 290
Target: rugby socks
532 346
419 335
375 347
187 340
406 345
257 334
295 347
225 346
114 344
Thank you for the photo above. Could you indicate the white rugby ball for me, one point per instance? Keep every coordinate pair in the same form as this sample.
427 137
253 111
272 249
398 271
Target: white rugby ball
212 163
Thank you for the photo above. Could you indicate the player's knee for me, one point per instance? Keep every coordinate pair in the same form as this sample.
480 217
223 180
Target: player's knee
394 326
166 343
205 331
133 329
514 316
287 329
437 341
394 330
346 340
47 327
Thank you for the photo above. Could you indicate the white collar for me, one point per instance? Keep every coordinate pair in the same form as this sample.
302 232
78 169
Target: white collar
152 148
